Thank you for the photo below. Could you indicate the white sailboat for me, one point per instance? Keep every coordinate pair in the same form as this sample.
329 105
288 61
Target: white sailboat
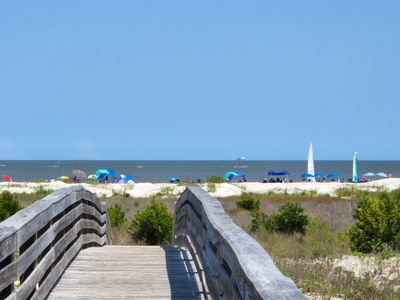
310 166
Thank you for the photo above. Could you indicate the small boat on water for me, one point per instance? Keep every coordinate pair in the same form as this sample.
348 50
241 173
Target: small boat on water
241 158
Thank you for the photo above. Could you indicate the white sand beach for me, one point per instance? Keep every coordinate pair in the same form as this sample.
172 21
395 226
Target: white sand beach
146 189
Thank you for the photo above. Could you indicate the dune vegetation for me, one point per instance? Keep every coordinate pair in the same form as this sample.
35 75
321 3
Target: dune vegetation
320 260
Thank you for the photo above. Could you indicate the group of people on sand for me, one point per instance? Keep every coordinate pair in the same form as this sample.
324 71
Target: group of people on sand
271 180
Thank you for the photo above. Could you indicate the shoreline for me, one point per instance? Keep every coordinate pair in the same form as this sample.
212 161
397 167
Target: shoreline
147 189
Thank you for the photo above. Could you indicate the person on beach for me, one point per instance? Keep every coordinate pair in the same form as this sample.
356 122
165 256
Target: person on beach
389 175
106 179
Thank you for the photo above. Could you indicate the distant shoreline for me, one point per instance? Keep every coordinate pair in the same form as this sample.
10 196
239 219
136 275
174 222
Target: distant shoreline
147 189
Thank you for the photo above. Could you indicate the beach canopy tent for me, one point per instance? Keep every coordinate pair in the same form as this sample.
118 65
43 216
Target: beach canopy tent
230 175
102 173
279 173
127 179
381 174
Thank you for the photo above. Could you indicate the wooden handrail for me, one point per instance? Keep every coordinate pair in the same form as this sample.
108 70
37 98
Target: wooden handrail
234 265
38 242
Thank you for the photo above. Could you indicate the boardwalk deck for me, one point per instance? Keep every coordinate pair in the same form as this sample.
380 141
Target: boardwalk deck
130 272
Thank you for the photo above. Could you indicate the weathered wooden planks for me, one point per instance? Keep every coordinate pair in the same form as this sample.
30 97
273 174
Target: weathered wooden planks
130 272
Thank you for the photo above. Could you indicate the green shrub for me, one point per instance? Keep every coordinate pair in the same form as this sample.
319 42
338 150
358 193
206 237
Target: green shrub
216 179
116 215
247 202
258 222
153 225
378 223
8 206
211 188
289 219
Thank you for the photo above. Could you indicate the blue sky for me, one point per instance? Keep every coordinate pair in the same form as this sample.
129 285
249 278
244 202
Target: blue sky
199 80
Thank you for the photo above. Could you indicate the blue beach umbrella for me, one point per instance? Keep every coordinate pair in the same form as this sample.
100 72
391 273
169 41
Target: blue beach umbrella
230 175
320 174
369 174
333 175
306 175
381 174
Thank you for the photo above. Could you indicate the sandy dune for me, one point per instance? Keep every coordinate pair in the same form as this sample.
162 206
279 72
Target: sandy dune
146 189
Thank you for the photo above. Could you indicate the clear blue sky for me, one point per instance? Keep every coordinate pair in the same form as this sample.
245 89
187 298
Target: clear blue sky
199 79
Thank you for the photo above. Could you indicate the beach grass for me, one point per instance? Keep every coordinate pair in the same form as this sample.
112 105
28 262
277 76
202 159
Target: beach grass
308 259
311 260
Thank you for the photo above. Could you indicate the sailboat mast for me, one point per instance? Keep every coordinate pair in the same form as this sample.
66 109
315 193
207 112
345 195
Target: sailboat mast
310 168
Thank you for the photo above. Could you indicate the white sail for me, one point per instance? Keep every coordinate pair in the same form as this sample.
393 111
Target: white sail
310 168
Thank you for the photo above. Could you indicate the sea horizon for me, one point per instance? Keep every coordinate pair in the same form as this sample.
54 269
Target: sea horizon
190 170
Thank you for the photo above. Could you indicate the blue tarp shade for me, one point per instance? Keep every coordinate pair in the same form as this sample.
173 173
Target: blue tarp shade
279 173
230 175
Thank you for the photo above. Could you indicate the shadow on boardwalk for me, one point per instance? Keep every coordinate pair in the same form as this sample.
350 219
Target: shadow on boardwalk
183 276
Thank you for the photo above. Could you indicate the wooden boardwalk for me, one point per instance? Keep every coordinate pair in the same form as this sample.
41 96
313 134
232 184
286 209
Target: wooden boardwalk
130 272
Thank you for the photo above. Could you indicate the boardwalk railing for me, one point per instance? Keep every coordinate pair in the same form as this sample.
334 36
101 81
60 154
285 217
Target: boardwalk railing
38 242
234 265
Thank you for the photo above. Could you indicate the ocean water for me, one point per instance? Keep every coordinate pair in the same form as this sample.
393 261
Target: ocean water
161 171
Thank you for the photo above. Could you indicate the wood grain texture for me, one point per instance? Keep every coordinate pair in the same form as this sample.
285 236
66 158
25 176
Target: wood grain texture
130 272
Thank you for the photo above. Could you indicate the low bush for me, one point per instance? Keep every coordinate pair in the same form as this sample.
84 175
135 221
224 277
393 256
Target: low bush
216 179
378 223
8 206
117 215
247 202
153 225
289 219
